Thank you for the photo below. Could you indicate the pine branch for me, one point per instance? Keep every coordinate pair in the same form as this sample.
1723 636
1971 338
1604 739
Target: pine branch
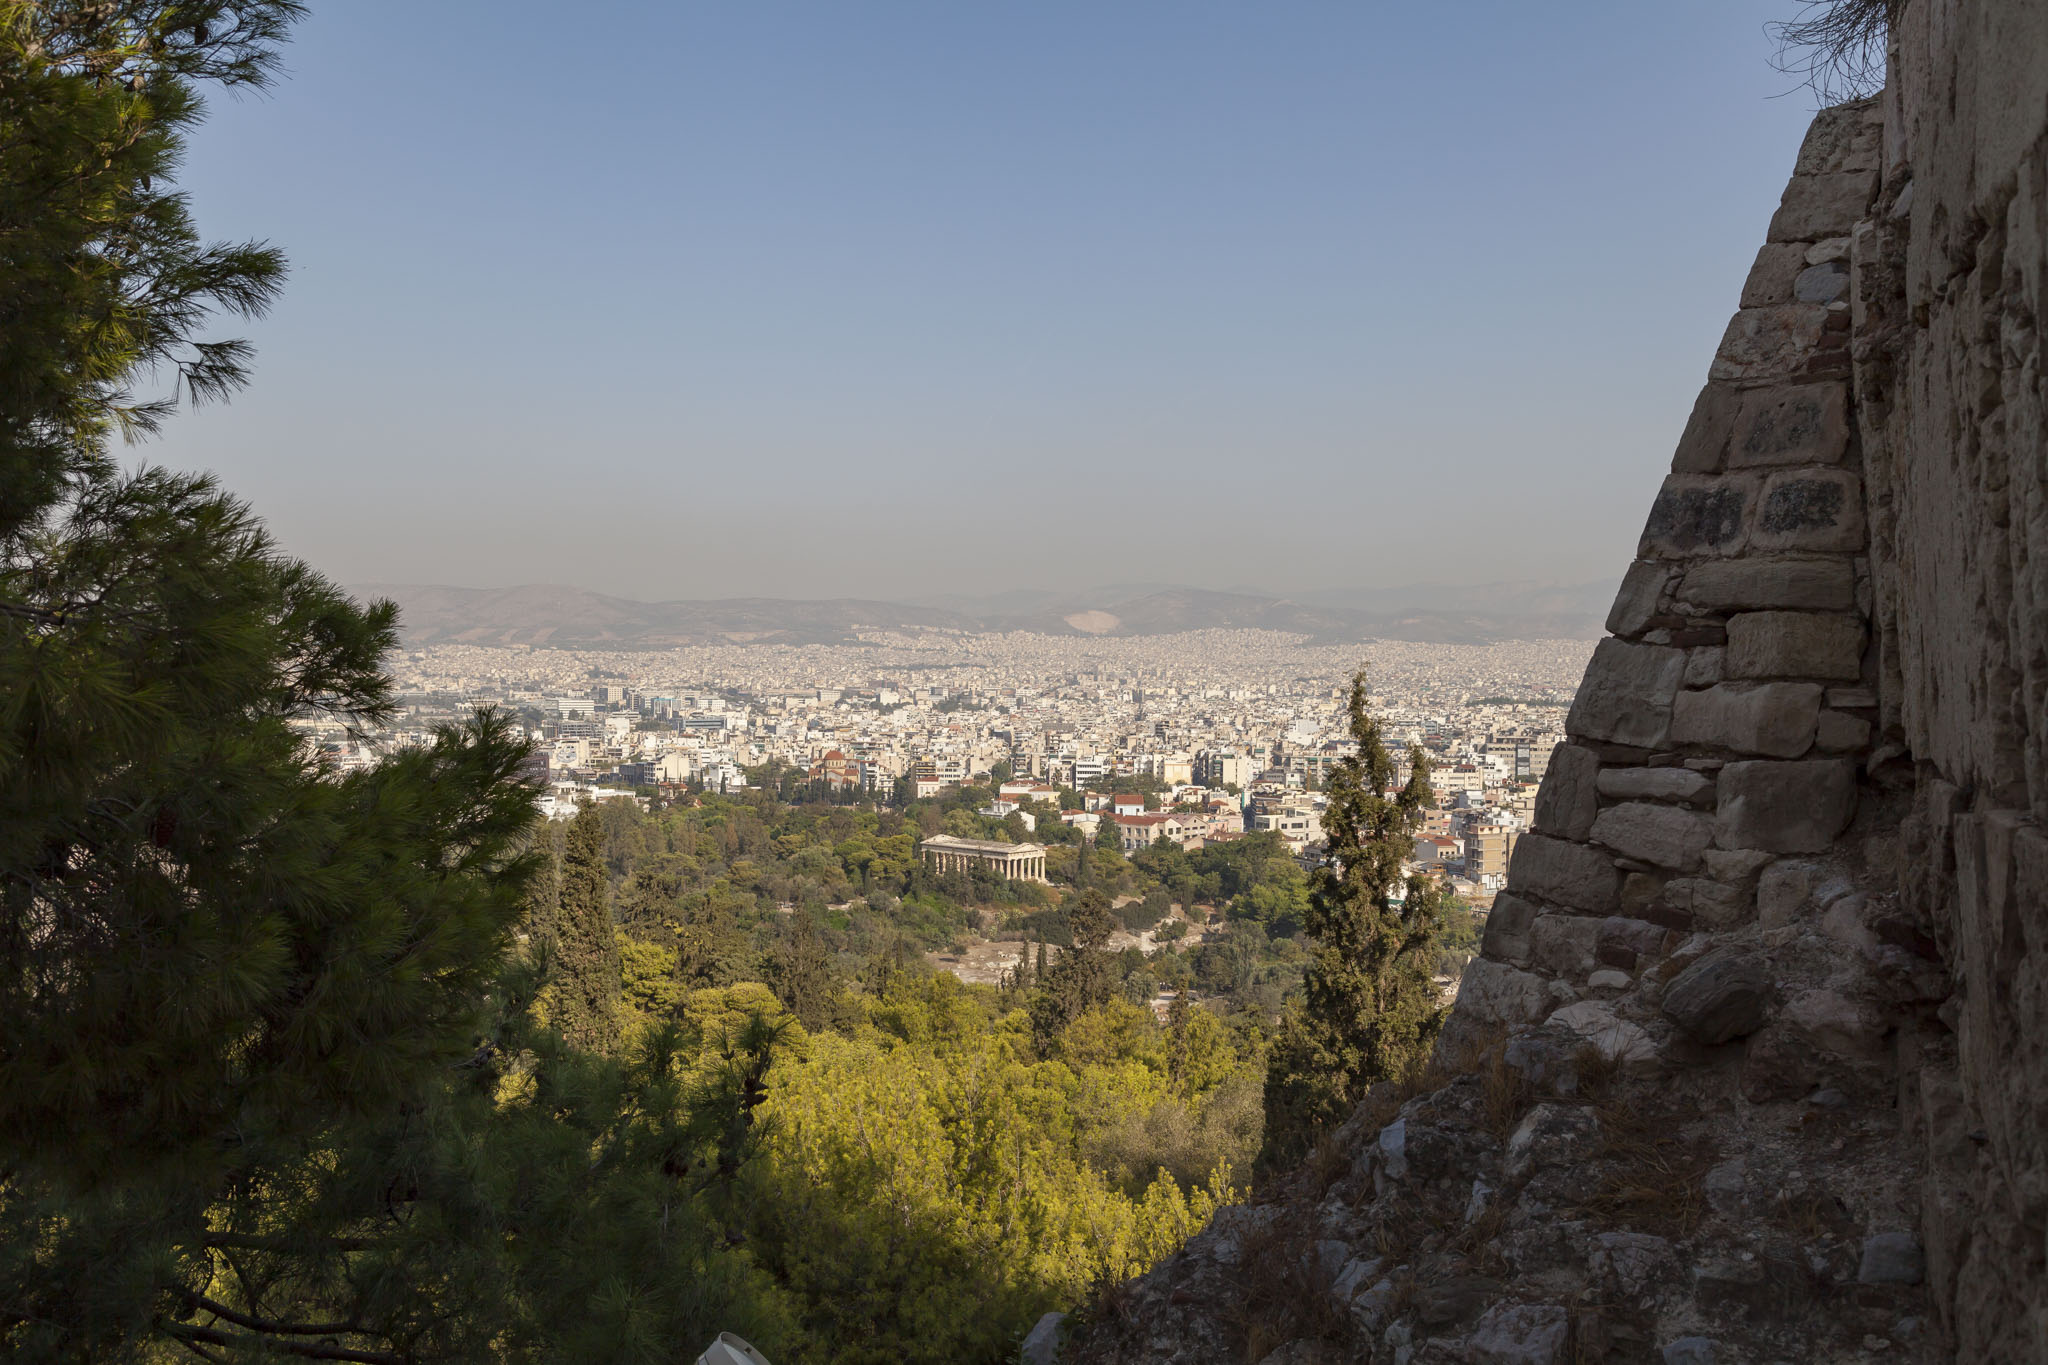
310 1350
255 1324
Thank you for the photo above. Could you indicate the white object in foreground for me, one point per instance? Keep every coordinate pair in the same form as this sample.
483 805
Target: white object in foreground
731 1350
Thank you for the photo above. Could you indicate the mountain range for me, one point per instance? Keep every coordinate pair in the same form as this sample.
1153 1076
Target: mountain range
574 618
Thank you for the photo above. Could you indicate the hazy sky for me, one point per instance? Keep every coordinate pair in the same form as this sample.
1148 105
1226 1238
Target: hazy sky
863 297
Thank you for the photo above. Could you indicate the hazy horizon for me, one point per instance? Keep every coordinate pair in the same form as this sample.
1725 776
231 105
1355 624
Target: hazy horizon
903 299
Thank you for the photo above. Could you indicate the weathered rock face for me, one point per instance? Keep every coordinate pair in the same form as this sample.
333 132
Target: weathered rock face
1753 1064
1949 283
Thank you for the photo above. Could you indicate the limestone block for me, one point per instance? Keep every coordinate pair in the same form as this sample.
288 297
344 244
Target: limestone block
1796 424
1823 205
1653 784
1507 928
1563 944
1706 666
1842 734
1782 890
1641 588
1795 644
1042 1343
1776 719
1663 835
1705 442
1820 509
1566 802
1722 996
1699 515
1617 1040
1785 807
1843 137
1811 584
1495 993
1711 904
1640 937
1562 873
1827 282
1610 979
1625 697
1833 249
1770 278
1771 344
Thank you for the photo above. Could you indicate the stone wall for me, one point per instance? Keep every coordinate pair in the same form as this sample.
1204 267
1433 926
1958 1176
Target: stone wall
1753 1063
1951 287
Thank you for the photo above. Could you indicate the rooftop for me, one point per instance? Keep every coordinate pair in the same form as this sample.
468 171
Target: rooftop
956 845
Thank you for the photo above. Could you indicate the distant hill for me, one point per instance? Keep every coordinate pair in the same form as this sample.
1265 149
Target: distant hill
572 618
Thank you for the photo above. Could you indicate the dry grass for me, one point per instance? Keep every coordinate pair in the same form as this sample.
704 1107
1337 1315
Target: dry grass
1597 1073
1283 1293
1658 1183
1812 1214
1478 1242
1505 1093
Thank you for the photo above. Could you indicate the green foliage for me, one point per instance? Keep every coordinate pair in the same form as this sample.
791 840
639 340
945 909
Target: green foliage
102 274
1370 1007
1080 978
572 925
279 1077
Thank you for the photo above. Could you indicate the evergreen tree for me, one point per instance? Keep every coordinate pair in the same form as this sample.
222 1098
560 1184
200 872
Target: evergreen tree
1082 978
1177 1043
1369 1006
803 971
102 274
583 993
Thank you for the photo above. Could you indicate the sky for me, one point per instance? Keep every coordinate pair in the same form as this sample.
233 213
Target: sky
893 298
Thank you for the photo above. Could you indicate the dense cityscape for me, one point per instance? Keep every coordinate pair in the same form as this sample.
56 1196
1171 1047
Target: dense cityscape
1224 730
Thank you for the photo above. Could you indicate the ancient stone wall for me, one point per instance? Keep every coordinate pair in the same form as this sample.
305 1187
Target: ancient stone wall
1951 286
1753 1064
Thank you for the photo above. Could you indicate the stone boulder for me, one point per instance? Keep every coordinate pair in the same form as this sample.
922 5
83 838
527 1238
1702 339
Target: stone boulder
1719 998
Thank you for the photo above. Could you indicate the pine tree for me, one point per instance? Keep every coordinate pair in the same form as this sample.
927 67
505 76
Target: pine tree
102 274
269 1087
1370 1007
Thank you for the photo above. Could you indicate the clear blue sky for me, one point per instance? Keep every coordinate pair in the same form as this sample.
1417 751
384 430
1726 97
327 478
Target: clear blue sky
866 297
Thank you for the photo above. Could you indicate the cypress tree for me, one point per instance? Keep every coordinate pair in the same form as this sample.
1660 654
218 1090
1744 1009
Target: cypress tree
1082 978
1177 1043
584 993
1369 1004
803 971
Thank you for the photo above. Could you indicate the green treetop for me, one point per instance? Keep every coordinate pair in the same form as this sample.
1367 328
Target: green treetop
1370 1006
